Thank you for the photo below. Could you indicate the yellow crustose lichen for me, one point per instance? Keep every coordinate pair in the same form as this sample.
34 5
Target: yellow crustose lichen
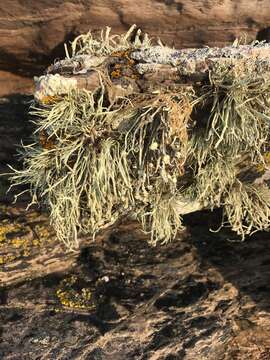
69 297
20 240
5 228
4 259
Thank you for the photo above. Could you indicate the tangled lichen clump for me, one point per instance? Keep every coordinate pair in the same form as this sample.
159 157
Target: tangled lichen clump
95 160
233 141
90 171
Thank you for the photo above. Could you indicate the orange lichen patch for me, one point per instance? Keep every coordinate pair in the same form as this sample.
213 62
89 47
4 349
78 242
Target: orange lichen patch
72 297
125 66
48 100
117 66
45 141
124 54
115 74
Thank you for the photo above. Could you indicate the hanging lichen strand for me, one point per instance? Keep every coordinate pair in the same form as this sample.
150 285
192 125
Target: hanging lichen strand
102 154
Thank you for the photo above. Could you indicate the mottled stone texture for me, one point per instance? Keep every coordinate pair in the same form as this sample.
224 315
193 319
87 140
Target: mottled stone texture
199 297
32 33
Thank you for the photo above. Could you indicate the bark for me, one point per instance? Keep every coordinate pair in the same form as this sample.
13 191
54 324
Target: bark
145 70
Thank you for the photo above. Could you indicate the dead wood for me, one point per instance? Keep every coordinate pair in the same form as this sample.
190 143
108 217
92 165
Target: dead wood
145 70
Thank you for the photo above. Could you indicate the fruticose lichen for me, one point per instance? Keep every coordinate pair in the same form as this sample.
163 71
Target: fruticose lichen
93 160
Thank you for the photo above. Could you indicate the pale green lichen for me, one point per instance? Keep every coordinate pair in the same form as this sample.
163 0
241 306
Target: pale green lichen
94 172
104 43
235 135
94 162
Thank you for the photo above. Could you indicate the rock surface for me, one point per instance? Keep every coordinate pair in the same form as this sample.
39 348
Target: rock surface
199 297
32 33
14 128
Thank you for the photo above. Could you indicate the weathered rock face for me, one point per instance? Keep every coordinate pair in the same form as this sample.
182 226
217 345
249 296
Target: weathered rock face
32 33
199 297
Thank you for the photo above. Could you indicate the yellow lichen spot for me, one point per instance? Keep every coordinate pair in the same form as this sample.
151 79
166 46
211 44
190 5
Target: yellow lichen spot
26 253
134 76
116 74
71 297
266 164
20 239
5 228
267 158
18 243
44 233
5 259
36 242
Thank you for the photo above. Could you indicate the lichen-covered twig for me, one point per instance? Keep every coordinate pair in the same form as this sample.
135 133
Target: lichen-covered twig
126 127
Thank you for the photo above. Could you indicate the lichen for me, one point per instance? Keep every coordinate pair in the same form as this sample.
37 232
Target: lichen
7 227
104 44
95 159
125 67
72 297
20 238
6 259
49 87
